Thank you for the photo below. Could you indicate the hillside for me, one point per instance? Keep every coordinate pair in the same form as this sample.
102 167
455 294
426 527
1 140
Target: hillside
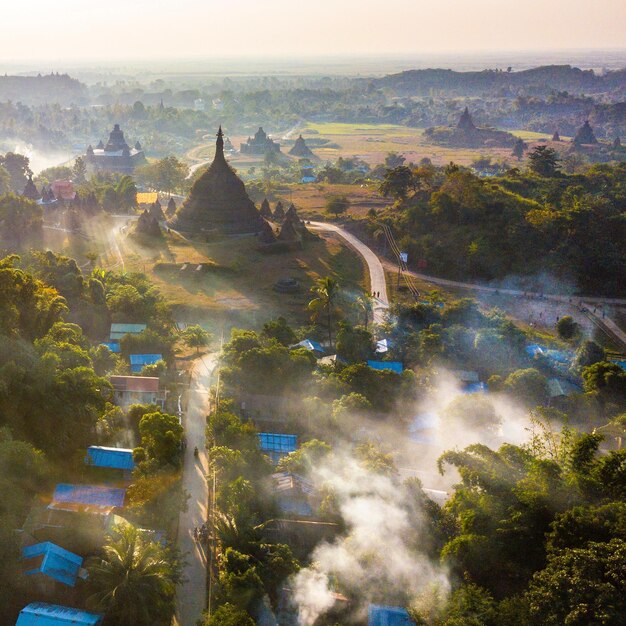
540 80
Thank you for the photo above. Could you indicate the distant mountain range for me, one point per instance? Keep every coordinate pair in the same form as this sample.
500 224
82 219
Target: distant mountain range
539 80
47 88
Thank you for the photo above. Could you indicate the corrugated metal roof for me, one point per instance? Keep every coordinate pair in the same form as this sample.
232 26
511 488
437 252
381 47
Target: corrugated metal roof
135 383
558 387
394 366
57 563
309 344
94 495
42 614
119 330
277 445
116 458
139 361
379 615
113 346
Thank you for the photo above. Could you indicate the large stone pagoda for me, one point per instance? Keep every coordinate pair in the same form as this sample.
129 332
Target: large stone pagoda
260 144
116 156
218 201
301 150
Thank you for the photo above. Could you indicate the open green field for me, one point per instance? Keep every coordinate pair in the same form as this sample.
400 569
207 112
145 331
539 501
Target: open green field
235 283
372 143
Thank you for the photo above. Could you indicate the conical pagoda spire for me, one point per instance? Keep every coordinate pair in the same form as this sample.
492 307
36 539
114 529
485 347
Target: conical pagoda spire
219 145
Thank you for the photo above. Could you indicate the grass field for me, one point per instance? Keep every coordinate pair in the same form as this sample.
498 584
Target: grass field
310 200
372 143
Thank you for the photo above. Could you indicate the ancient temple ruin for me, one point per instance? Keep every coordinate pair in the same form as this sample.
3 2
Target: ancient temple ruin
218 201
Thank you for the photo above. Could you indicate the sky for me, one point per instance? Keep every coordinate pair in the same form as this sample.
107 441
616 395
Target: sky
168 29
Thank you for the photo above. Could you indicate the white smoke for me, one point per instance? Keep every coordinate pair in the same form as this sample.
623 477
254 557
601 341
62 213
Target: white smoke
39 160
378 557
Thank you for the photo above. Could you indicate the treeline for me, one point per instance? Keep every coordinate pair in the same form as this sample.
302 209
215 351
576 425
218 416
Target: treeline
56 400
518 224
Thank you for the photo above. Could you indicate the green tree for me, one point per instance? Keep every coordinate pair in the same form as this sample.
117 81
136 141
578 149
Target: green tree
279 330
79 171
161 436
606 379
5 181
528 386
589 352
196 337
336 205
581 586
354 343
18 167
544 161
398 182
326 291
567 327
21 219
167 174
134 582
229 615
518 149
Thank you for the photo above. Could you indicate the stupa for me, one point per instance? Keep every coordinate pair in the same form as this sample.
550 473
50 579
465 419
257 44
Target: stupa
556 136
30 190
279 212
585 135
171 207
265 210
300 149
466 122
218 201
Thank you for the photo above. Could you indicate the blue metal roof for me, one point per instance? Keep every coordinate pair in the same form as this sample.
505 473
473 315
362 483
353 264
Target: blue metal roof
117 458
113 346
475 388
89 495
622 364
139 361
394 366
388 616
42 614
309 344
277 445
56 562
119 330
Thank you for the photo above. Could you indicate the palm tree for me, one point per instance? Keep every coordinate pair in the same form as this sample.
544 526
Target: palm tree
366 304
134 582
326 291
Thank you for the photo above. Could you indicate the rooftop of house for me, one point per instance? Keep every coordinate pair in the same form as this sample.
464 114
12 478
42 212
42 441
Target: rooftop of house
116 458
137 384
379 615
54 561
394 366
119 330
89 495
43 614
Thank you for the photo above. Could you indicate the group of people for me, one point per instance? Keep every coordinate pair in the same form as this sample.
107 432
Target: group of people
201 533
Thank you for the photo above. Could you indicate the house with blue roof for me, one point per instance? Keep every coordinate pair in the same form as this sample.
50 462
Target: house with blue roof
379 615
91 497
394 366
42 614
139 361
311 346
119 330
277 445
49 560
113 346
112 458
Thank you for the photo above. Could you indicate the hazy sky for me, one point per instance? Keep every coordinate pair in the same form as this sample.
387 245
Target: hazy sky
139 29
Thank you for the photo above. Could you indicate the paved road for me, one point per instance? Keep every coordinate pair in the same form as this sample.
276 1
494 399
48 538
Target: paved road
377 278
192 597
378 284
